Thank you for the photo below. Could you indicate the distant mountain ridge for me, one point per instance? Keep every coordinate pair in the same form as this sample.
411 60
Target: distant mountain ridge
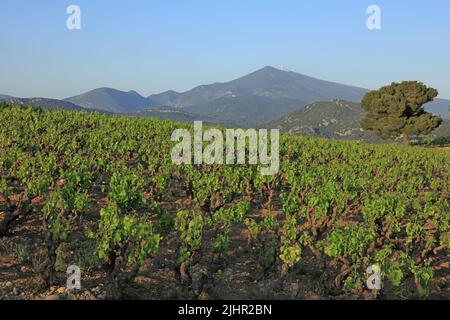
258 97
267 82
255 98
249 101
337 119
439 107
111 100
43 103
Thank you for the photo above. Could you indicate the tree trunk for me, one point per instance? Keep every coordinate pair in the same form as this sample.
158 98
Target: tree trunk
14 213
406 140
49 271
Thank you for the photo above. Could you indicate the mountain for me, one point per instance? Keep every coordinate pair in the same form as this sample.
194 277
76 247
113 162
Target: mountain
259 97
443 130
111 100
337 119
266 95
4 97
440 107
43 103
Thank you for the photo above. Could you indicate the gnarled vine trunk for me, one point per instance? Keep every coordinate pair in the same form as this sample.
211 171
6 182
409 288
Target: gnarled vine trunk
406 140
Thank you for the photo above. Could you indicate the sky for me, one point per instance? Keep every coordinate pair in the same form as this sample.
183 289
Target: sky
156 45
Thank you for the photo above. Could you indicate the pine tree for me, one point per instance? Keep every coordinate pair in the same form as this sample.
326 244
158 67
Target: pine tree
397 110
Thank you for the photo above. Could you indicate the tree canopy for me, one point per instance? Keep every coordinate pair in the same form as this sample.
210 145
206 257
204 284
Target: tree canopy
397 110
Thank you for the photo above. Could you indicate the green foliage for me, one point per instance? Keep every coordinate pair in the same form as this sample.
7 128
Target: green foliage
124 191
165 223
189 225
349 241
270 254
441 141
60 211
253 227
5 190
221 244
119 230
397 110
125 237
343 205
290 251
21 253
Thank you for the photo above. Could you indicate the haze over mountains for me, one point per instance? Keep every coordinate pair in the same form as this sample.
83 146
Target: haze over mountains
256 98
252 100
111 100
439 107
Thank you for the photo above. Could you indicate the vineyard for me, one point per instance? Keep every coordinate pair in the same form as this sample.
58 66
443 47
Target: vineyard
101 192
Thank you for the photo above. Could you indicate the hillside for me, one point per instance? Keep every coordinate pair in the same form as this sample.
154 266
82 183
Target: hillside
258 97
254 99
263 96
337 119
439 107
43 103
443 130
111 100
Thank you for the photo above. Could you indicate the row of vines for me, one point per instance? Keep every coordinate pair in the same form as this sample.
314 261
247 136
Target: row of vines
347 205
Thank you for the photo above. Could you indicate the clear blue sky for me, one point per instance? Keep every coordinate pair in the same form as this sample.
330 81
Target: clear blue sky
155 45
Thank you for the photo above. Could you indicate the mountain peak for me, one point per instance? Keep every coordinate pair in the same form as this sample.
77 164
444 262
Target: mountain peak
104 89
111 100
270 68
171 92
284 69
258 97
133 92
